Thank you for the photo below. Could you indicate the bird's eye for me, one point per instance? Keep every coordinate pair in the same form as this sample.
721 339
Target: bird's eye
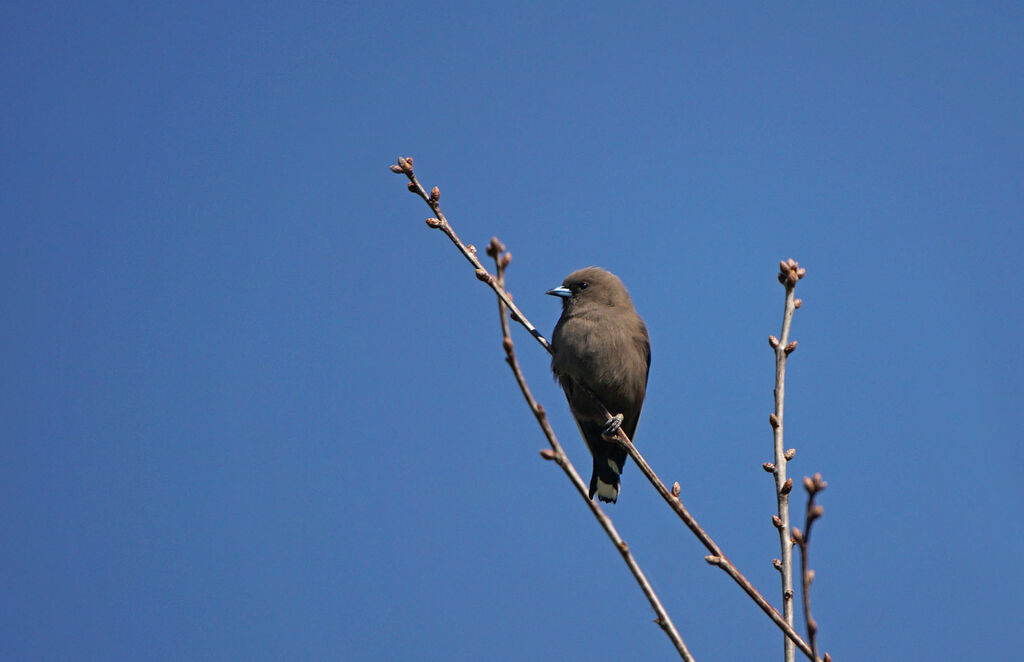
583 285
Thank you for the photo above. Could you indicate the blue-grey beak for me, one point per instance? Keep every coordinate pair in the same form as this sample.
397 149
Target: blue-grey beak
561 291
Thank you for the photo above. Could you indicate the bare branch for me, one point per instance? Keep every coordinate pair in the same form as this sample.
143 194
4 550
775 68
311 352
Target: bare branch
790 273
501 260
803 540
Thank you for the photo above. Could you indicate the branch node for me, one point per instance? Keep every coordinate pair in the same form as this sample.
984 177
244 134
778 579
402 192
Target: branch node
623 547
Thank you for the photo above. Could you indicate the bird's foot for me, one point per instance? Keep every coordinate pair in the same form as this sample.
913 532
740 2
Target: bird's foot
611 430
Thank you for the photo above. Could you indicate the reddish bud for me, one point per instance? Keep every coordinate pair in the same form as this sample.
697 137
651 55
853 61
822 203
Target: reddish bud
508 345
471 248
791 453
675 489
787 487
505 260
798 537
547 454
797 303
396 169
773 341
801 272
809 485
777 564
774 420
433 222
777 521
768 466
713 559
435 194
790 347
482 275
412 188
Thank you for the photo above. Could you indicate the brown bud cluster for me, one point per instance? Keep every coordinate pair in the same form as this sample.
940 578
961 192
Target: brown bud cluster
790 272
495 247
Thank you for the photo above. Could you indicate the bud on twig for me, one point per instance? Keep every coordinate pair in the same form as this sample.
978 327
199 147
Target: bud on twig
791 453
769 467
412 188
508 345
471 248
808 485
787 487
773 341
798 537
433 222
547 454
790 347
482 275
713 560
777 521
435 194
396 169
817 511
675 489
505 260
777 564
797 303
773 419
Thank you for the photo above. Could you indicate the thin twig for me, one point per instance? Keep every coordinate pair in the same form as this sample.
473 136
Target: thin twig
501 260
789 273
803 540
717 557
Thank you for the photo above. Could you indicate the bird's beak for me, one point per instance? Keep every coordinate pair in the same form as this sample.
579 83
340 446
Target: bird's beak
561 291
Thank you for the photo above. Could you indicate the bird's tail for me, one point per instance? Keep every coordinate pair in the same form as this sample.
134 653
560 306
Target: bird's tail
607 468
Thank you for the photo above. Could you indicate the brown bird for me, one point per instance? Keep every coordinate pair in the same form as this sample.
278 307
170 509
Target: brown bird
601 349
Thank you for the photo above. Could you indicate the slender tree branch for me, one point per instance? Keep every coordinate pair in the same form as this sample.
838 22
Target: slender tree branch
789 273
717 557
501 260
803 540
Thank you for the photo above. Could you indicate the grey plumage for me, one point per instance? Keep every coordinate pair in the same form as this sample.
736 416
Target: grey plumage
600 346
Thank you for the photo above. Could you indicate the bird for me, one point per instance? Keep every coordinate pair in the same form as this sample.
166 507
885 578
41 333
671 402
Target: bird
601 349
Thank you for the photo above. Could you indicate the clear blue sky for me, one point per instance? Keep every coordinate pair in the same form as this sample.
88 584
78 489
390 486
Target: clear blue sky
253 409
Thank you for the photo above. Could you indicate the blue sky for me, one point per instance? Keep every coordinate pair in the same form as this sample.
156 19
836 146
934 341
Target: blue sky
254 409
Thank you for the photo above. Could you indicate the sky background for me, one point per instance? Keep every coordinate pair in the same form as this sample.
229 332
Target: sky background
254 409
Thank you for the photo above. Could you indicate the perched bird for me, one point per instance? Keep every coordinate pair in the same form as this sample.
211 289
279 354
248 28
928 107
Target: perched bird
600 348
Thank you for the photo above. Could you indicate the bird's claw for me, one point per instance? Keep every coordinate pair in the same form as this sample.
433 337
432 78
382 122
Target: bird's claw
611 429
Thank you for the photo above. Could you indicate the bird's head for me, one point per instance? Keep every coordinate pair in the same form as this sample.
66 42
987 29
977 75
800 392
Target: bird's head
592 286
